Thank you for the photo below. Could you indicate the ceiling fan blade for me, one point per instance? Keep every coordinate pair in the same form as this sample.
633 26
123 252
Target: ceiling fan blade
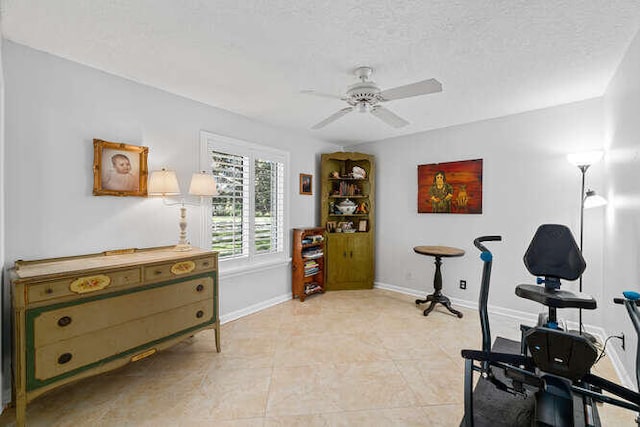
390 118
332 118
424 87
321 94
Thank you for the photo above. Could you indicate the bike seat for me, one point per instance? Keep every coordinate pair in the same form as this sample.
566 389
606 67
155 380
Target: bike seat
556 298
553 253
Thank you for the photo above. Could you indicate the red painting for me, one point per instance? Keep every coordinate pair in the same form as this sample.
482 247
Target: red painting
453 187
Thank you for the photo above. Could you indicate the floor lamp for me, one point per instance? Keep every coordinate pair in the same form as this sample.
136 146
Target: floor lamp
588 199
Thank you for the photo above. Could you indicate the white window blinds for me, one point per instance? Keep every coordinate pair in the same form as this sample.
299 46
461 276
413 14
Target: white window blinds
248 216
269 206
230 213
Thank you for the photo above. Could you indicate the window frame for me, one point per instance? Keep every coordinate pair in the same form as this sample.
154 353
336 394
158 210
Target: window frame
253 151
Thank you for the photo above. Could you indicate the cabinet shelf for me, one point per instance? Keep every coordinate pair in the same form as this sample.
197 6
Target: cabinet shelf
349 179
312 245
313 288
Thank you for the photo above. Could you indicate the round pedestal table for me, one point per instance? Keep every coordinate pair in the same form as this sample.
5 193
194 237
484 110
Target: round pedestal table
438 252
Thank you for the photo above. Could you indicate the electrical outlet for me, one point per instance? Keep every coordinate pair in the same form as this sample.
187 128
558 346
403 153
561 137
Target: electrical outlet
463 284
621 336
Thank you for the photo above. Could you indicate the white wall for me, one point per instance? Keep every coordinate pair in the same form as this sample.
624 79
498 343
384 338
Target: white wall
527 181
622 225
54 110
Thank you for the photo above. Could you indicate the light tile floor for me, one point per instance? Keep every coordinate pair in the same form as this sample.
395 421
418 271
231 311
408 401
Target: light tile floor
353 358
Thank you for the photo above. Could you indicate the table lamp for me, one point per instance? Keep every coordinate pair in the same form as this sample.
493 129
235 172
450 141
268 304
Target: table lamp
165 183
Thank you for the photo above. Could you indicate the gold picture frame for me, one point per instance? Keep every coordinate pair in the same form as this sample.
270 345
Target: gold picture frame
306 184
119 169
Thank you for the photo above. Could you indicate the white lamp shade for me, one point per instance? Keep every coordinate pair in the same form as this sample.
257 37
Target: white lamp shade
593 200
163 183
586 158
203 185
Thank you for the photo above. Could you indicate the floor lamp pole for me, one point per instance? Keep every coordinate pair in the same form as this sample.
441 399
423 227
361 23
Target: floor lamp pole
583 169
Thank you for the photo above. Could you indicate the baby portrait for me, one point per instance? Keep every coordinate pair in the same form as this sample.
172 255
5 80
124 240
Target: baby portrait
118 169
120 175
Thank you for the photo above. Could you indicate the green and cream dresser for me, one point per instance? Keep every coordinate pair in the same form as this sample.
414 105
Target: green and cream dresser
75 317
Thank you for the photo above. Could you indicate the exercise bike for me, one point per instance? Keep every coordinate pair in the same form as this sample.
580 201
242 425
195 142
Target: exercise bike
552 368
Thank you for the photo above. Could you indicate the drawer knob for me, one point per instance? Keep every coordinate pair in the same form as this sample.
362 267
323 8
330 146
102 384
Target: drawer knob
49 290
64 321
199 314
205 264
200 288
64 358
157 272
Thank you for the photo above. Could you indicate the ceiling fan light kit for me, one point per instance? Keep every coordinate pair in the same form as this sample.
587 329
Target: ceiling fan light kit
365 97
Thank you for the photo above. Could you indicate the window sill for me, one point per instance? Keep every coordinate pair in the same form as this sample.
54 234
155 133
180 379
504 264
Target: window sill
238 270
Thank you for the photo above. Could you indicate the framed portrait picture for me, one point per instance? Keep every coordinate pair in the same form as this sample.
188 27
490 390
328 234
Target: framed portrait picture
305 184
119 169
451 188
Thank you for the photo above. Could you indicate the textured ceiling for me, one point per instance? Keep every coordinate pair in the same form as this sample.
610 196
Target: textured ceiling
493 57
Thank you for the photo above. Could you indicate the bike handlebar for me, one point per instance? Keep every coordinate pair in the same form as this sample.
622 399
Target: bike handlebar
631 301
486 258
622 300
478 242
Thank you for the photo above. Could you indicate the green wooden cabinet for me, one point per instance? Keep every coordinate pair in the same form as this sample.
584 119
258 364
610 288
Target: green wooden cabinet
350 247
350 261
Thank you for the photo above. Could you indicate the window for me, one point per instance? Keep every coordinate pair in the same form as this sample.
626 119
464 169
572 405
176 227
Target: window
247 217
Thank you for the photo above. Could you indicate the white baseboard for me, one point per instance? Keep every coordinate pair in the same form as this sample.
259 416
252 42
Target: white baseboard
524 317
530 319
254 308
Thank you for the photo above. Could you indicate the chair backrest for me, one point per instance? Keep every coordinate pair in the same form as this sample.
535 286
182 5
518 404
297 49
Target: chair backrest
553 252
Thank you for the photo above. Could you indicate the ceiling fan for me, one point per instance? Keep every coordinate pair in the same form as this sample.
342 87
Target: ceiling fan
365 97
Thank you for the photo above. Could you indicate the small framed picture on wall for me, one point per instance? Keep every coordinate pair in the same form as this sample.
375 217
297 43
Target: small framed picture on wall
119 169
305 184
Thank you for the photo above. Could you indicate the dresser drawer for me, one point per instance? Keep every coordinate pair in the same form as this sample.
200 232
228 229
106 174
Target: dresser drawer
175 269
79 319
129 338
62 288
